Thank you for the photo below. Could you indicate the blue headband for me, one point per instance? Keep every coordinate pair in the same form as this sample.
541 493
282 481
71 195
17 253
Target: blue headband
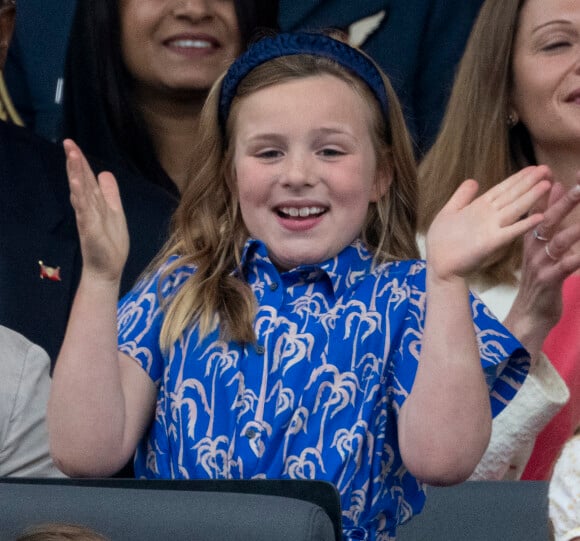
300 43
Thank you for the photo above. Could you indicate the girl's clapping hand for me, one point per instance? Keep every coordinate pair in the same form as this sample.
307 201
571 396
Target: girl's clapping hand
100 218
468 230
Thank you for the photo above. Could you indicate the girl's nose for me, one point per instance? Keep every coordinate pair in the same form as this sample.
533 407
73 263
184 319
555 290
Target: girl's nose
298 172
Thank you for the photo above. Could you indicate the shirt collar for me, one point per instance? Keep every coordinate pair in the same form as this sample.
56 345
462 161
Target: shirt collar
343 270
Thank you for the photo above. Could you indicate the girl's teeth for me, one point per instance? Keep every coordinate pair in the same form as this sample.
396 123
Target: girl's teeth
303 212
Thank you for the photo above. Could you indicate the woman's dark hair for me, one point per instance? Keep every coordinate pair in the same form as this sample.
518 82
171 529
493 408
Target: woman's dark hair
99 112
255 16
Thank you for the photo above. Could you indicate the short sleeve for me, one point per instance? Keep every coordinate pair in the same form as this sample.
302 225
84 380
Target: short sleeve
504 360
140 318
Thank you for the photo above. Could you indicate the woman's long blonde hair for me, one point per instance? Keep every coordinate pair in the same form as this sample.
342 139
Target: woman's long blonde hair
208 231
476 140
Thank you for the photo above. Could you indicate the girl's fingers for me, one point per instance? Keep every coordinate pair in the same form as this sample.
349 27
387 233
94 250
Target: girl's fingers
523 203
75 180
82 180
81 166
110 191
464 195
535 179
90 199
521 227
73 163
499 190
508 191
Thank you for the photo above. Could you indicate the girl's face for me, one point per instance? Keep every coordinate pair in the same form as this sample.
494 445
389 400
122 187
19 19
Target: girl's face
546 73
306 168
180 45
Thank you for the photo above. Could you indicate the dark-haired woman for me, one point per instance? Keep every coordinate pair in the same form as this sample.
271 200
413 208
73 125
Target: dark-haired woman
138 72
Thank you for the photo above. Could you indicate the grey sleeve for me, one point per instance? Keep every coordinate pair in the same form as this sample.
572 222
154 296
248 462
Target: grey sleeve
24 390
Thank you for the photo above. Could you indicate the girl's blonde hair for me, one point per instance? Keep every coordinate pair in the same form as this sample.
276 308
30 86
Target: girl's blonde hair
476 140
208 231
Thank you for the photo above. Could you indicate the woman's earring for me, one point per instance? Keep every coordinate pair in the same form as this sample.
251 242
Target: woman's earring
512 119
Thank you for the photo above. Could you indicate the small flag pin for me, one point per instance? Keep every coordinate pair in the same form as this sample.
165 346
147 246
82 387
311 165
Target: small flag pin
52 273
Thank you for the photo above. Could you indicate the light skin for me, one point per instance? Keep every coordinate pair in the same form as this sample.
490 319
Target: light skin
113 397
546 81
546 88
175 45
320 163
121 397
175 50
546 98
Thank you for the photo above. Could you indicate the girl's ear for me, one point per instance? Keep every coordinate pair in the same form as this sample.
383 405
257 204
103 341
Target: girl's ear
383 179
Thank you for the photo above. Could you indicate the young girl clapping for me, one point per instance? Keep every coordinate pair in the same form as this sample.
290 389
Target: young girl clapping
287 330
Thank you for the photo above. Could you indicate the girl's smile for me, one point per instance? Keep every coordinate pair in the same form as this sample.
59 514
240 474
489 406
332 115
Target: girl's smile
300 216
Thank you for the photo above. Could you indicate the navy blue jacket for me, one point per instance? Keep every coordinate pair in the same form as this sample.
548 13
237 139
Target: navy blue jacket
35 64
37 223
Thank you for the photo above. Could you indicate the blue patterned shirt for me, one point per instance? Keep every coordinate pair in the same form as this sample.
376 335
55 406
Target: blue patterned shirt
317 396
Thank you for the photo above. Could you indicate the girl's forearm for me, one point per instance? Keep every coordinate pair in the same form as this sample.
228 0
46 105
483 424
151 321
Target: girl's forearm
86 409
445 423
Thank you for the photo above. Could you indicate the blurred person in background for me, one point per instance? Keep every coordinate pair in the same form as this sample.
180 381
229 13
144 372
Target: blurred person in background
515 104
417 43
138 73
34 71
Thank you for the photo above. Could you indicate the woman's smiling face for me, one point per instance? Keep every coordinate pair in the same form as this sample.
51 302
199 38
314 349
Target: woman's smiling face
546 73
178 45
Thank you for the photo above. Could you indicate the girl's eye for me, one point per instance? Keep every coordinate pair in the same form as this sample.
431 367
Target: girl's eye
268 154
331 152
